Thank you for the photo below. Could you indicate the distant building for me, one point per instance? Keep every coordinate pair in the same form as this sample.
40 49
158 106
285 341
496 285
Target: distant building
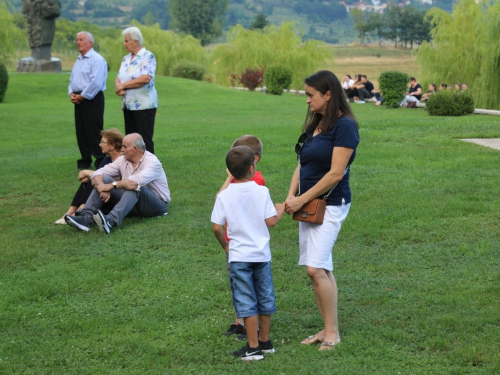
376 7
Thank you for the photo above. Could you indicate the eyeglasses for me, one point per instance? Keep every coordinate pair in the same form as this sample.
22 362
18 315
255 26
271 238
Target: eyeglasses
302 139
103 143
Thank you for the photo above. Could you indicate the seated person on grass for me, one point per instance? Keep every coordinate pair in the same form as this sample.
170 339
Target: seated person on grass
413 95
142 189
364 89
238 327
248 211
347 82
432 90
111 144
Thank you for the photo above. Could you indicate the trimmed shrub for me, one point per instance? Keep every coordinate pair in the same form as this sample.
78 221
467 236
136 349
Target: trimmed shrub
393 85
277 79
188 69
4 80
450 103
251 78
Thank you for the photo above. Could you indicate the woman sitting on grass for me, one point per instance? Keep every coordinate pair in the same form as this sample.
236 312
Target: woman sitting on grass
111 144
432 90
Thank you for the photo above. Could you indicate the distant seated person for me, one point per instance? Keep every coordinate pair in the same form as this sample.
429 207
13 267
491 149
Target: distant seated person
142 189
364 89
443 86
378 97
347 82
465 87
432 90
111 144
413 95
457 86
352 92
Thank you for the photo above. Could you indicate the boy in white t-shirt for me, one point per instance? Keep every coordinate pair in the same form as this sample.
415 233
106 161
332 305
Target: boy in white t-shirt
248 211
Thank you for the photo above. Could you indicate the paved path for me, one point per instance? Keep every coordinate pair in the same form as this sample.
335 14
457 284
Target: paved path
487 142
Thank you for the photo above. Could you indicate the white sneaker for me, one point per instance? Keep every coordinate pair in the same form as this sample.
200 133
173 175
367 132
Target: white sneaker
360 101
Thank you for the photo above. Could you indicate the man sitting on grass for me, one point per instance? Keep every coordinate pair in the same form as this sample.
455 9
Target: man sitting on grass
135 184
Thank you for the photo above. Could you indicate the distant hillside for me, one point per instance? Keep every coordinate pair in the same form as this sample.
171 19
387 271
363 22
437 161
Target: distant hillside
326 20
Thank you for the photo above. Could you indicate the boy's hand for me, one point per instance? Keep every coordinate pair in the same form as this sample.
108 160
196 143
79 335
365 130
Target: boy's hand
229 175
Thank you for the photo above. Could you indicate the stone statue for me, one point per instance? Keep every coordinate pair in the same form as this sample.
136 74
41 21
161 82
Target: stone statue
41 16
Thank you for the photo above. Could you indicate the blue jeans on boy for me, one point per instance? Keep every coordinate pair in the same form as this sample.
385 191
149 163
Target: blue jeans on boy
253 289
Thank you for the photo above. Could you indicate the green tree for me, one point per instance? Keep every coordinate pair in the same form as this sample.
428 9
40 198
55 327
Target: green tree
12 37
262 48
361 23
259 22
465 49
392 16
376 25
202 19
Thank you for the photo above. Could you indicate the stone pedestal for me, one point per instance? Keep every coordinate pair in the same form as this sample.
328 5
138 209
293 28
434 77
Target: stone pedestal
31 65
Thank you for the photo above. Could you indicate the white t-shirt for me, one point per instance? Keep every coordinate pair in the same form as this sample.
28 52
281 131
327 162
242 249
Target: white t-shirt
245 208
346 85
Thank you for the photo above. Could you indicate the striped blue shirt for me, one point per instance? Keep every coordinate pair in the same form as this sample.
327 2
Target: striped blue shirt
89 74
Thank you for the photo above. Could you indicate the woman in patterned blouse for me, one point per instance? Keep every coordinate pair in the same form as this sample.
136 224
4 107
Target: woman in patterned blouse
135 83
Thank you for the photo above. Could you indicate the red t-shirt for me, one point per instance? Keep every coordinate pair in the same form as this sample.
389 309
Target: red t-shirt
259 180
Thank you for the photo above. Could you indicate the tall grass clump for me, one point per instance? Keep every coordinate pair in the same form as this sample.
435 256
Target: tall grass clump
465 49
262 48
167 46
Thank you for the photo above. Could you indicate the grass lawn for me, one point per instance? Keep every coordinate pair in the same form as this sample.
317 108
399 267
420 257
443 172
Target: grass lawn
417 261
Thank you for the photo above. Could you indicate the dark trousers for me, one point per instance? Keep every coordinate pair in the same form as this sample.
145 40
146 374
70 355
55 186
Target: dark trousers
142 122
364 94
89 124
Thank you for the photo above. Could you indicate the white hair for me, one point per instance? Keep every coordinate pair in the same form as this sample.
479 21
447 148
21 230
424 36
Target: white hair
89 36
134 33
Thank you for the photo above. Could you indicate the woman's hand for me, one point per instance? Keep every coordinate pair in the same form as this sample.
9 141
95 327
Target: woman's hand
293 204
119 89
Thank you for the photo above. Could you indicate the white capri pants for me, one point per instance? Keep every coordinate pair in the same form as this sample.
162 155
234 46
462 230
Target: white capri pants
316 241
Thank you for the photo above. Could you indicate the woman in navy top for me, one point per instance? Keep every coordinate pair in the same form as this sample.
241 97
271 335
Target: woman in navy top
329 147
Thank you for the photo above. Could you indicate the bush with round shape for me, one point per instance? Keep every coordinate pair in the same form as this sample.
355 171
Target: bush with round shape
188 69
393 86
450 103
277 79
4 80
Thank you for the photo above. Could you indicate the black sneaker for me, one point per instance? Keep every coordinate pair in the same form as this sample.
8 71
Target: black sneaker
234 329
249 354
102 222
266 346
79 222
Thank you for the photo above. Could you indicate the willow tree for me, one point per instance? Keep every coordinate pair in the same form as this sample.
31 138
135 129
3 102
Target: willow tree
486 83
273 45
465 49
167 46
11 36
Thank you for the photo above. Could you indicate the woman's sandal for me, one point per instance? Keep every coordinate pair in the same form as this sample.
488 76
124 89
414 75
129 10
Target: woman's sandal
328 345
311 340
